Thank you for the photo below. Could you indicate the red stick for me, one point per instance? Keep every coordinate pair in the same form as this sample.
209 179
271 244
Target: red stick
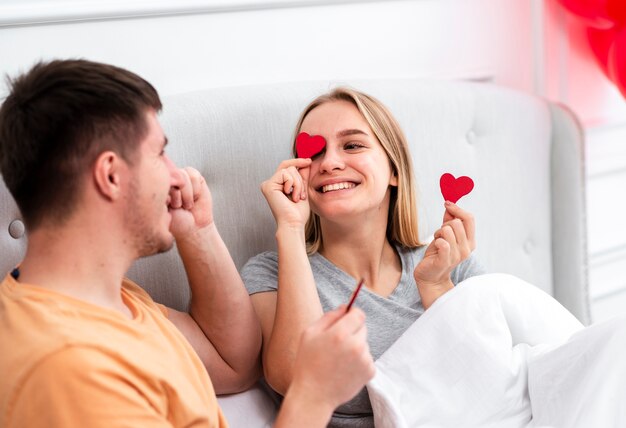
354 294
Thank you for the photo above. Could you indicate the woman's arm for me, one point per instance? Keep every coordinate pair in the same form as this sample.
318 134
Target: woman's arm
285 315
332 365
453 243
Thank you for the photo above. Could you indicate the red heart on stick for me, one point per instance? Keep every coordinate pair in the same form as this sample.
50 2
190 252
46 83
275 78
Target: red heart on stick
308 146
454 189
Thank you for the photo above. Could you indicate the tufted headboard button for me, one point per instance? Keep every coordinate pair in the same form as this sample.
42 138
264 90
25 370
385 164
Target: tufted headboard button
16 229
470 137
528 246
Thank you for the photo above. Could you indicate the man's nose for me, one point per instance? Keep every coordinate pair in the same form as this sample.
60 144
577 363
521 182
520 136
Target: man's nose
176 177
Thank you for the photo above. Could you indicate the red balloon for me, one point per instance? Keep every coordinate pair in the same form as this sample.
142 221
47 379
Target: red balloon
617 61
601 41
597 13
616 9
593 12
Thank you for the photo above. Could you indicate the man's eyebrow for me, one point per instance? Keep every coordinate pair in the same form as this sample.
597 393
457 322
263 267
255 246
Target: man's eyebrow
348 132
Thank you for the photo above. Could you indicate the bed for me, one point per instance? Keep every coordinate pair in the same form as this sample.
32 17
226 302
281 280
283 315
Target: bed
524 154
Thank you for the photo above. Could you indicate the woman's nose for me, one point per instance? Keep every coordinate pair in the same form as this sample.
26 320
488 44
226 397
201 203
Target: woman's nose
331 160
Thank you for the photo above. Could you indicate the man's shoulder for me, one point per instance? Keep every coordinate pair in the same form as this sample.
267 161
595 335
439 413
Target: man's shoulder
58 368
74 361
68 386
45 332
137 291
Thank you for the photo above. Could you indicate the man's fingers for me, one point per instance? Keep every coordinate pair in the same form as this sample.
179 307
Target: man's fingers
191 190
350 323
329 318
186 191
197 182
176 200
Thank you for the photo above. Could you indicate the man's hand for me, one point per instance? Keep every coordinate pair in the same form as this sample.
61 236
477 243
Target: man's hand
221 324
191 204
332 365
453 243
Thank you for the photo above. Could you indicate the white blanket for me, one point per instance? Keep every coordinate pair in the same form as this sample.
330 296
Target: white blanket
494 351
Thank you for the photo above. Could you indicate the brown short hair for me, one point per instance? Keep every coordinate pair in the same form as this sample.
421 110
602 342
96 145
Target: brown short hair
58 117
402 224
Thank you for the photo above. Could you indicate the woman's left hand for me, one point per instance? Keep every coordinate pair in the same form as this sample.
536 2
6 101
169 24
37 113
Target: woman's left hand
453 243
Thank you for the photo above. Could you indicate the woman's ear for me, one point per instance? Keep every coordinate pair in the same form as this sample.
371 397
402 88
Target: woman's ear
393 180
106 174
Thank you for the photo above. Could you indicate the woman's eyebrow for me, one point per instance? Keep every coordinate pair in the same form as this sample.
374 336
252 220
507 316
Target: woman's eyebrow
347 132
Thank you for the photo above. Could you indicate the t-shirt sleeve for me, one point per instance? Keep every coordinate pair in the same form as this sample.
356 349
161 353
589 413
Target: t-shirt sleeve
80 387
260 273
467 269
143 295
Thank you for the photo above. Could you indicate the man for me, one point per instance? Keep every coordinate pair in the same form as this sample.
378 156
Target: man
82 152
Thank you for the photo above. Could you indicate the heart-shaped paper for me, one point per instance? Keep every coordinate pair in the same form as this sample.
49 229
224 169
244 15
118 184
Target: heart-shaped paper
308 146
453 189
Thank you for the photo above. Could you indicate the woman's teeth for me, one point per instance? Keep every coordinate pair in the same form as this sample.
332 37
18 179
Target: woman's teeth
337 186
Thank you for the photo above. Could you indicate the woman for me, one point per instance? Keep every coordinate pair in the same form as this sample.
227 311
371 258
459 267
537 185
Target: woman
350 213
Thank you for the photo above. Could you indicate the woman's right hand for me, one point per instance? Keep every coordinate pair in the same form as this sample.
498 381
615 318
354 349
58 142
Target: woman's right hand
286 192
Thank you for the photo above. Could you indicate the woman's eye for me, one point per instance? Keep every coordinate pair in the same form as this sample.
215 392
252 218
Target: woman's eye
353 145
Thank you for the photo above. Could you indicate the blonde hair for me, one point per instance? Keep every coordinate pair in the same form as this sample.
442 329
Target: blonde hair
402 224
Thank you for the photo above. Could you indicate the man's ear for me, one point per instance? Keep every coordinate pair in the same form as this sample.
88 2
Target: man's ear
107 172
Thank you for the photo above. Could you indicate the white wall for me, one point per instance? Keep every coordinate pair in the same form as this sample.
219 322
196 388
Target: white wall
190 44
573 77
442 38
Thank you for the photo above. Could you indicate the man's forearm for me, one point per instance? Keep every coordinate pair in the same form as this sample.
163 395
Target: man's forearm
219 302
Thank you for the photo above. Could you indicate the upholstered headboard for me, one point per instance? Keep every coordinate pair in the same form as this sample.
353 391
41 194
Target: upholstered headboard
524 154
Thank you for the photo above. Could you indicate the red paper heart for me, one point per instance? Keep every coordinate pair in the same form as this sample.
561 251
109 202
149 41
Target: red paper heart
453 189
308 146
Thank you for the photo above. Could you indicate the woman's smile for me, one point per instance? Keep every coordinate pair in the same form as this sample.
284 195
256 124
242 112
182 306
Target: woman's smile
338 186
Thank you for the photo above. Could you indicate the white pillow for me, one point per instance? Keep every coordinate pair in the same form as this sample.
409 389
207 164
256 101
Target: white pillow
464 361
253 408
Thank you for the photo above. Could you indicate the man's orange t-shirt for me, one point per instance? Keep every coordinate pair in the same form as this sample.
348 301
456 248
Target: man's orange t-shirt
68 363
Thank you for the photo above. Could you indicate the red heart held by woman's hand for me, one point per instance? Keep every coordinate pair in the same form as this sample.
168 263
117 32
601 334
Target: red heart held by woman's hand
453 189
308 146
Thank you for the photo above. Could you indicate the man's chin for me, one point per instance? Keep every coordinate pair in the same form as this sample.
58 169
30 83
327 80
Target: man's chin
157 247
165 247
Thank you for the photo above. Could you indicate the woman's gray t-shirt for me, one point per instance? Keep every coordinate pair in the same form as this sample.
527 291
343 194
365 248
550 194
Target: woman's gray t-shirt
386 317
